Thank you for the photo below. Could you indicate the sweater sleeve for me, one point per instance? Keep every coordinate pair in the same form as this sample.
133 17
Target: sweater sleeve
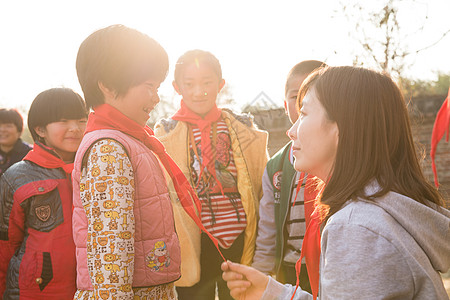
264 259
359 263
108 199
278 291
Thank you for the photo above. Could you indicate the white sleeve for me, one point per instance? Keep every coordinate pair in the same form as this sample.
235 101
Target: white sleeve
264 258
108 202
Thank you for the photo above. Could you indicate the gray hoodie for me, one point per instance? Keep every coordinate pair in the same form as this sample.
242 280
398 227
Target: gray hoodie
389 248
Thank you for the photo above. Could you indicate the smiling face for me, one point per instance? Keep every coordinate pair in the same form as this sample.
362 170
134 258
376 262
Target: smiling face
63 136
9 134
137 102
315 139
199 86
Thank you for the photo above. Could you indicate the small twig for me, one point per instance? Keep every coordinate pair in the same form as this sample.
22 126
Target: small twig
429 46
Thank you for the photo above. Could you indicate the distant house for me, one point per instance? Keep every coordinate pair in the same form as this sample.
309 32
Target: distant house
270 116
261 102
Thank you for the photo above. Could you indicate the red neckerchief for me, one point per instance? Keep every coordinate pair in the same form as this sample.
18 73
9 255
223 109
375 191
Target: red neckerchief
107 117
311 252
184 114
441 125
311 242
46 158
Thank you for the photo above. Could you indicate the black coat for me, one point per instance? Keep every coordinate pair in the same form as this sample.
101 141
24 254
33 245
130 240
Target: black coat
18 152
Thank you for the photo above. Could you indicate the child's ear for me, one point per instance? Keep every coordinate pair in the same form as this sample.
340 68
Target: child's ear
40 131
285 107
221 84
176 87
107 92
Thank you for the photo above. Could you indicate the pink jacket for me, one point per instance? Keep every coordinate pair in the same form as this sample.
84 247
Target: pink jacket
153 213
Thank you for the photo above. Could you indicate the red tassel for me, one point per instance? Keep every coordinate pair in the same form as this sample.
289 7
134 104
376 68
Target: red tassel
441 126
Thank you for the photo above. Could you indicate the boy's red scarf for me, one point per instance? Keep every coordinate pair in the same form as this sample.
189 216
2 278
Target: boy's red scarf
184 114
43 156
441 126
107 117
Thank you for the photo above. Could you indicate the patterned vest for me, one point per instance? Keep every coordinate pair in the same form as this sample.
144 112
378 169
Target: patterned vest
154 222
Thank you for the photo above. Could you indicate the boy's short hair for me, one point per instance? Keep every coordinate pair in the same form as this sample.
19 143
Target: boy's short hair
303 68
11 115
197 56
120 58
54 105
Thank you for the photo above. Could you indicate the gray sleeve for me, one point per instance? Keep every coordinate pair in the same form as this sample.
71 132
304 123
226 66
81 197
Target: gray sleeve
358 263
264 258
278 291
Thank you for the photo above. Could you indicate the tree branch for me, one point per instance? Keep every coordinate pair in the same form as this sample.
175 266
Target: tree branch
440 39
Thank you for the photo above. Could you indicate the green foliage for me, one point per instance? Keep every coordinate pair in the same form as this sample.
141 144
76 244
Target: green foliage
442 84
417 87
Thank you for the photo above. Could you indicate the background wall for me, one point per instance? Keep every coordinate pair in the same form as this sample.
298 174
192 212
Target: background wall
423 112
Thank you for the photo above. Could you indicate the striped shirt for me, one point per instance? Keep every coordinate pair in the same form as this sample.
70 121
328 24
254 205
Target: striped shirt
295 223
222 214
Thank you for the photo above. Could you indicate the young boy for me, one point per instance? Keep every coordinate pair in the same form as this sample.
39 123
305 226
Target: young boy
12 148
281 225
224 156
36 245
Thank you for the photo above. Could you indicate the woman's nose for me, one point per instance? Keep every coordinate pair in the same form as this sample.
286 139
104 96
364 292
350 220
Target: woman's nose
291 133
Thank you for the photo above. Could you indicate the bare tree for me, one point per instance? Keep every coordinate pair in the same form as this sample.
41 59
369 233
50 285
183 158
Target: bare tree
385 41
166 107
226 99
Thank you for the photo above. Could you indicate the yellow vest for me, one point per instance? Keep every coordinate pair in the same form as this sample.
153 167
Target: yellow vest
250 155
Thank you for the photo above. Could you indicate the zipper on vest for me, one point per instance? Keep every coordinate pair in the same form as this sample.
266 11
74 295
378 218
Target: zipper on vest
284 221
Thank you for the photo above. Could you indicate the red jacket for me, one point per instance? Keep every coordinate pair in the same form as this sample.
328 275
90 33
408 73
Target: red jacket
37 252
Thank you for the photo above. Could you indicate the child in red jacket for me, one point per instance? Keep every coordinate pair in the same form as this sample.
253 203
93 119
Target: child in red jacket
37 252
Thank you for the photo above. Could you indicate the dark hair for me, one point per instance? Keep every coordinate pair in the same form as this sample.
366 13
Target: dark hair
54 105
11 115
375 139
303 68
197 56
120 58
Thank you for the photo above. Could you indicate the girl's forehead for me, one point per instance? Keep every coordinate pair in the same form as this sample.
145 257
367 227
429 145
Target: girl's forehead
200 70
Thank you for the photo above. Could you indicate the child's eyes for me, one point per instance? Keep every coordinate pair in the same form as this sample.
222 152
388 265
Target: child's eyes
8 125
152 86
64 121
